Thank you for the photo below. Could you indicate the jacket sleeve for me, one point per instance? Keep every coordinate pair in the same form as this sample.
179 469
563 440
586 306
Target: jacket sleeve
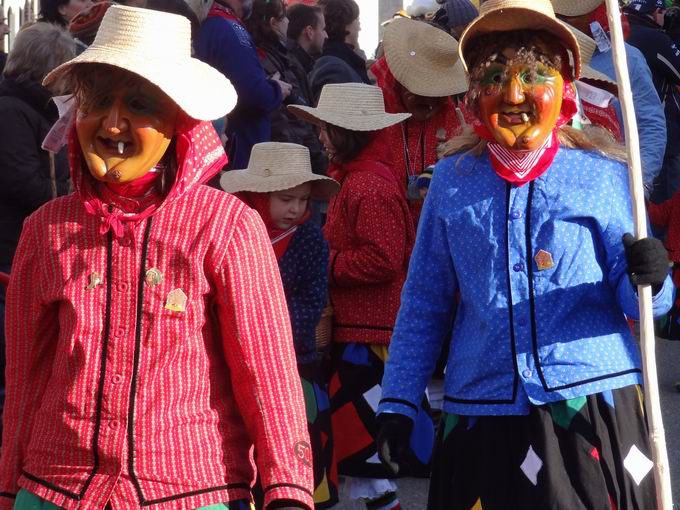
229 48
30 337
667 58
258 348
25 177
379 226
427 309
660 214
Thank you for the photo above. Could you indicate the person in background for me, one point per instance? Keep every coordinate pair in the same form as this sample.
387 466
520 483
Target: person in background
418 75
61 12
29 175
456 16
370 234
306 33
649 111
224 43
4 31
279 185
340 61
84 25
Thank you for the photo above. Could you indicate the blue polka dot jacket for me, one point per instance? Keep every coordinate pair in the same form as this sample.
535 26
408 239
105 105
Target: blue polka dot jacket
304 274
544 292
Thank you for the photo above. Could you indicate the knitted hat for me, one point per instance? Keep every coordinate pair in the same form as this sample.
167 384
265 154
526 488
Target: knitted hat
575 7
460 13
422 57
646 6
85 24
275 166
506 15
157 46
353 106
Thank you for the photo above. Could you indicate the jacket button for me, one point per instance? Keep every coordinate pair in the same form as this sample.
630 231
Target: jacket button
518 267
122 287
117 379
516 214
113 424
119 333
527 373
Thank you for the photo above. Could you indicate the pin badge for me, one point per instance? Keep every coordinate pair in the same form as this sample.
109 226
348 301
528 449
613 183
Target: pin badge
544 260
94 279
176 301
153 277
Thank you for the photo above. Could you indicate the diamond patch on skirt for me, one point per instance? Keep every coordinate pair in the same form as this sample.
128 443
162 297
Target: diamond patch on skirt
637 464
532 465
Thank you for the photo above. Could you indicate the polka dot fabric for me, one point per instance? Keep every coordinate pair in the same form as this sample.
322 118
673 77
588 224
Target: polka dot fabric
522 333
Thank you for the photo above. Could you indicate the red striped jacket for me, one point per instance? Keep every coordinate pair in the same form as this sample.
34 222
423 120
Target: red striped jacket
112 396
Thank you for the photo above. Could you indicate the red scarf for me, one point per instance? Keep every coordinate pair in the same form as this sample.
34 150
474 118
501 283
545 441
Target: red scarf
280 238
221 11
520 167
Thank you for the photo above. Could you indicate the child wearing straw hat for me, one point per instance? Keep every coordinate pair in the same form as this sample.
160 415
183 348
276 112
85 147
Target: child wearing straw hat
149 346
524 266
279 185
370 235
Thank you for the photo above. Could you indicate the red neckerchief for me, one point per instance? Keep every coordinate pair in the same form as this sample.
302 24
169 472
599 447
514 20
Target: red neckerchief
520 167
280 238
221 11
137 188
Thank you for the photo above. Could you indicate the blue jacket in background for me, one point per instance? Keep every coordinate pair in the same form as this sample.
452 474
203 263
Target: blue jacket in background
227 46
523 332
649 111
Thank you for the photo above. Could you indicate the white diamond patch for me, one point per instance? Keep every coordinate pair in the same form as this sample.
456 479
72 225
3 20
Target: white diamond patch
637 464
373 396
532 465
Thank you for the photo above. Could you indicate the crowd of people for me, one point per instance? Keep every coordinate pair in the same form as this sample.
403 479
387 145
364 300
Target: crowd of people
249 267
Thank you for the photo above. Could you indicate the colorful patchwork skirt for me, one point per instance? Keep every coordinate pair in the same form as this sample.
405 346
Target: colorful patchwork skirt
354 389
319 425
587 453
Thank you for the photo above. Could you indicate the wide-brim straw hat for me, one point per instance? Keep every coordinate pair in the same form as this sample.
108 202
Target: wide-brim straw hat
275 166
421 57
506 15
575 7
157 46
353 106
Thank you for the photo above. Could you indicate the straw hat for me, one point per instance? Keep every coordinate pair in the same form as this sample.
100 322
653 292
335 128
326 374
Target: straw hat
157 46
575 7
587 46
275 166
353 106
421 57
506 15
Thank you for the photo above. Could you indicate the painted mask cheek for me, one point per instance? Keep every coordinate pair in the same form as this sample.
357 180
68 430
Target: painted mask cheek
86 130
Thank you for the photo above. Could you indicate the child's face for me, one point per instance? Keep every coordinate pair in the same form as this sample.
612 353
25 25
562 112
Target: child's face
287 207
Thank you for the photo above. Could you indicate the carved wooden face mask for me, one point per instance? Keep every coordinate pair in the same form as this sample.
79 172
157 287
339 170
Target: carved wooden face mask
125 131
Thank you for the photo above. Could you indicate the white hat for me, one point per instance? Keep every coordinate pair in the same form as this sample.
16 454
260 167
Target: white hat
353 106
275 166
157 46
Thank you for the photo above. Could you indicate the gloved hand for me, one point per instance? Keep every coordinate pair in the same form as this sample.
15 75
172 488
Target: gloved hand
393 442
647 261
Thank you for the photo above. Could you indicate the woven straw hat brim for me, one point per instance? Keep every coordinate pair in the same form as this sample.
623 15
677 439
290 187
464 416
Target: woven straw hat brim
459 79
575 7
197 88
520 18
350 120
234 181
589 73
416 54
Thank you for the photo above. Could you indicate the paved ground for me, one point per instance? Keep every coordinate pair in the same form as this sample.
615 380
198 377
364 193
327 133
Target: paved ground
413 493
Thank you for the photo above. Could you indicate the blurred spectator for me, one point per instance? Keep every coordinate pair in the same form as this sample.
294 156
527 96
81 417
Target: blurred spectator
200 8
458 15
29 176
268 25
224 43
177 7
340 61
307 34
663 57
648 108
84 25
4 30
61 12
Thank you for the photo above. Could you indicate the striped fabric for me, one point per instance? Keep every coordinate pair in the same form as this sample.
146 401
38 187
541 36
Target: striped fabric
519 162
112 396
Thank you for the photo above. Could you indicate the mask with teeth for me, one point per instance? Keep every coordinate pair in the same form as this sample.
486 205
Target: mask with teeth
124 126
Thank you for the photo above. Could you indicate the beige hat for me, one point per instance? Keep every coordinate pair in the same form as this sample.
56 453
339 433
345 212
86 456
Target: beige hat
353 106
422 57
587 46
157 46
275 166
575 7
506 15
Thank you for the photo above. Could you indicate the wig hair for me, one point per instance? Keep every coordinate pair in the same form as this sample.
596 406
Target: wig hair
301 16
347 144
37 50
338 14
258 22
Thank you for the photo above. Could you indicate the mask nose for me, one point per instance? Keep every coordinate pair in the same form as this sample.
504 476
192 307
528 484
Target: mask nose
115 122
513 91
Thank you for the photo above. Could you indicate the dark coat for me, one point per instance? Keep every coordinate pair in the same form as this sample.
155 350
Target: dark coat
339 63
26 115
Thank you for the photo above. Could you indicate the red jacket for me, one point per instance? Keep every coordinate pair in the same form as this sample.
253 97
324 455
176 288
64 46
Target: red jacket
667 214
370 235
112 395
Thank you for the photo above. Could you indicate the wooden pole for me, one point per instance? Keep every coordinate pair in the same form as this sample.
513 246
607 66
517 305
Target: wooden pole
657 435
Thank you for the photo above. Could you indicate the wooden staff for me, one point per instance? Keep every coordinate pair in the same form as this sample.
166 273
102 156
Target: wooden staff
664 497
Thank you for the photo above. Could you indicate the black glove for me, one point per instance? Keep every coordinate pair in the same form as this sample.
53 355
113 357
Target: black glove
647 261
394 438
